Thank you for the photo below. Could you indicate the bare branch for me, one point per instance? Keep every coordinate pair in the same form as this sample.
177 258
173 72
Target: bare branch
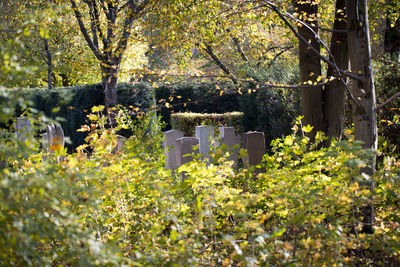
277 56
388 101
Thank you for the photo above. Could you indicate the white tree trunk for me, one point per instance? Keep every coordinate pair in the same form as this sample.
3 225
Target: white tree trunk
364 112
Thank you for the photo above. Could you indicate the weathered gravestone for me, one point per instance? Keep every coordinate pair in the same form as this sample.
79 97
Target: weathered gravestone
205 134
184 147
23 127
254 143
53 139
228 138
170 145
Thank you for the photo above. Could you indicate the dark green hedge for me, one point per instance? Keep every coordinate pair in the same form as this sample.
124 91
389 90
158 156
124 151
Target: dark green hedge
270 111
197 98
72 104
187 122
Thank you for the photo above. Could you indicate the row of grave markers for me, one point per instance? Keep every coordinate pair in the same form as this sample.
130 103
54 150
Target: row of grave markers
177 147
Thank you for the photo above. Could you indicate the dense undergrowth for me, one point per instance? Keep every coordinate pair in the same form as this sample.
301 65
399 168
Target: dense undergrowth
101 207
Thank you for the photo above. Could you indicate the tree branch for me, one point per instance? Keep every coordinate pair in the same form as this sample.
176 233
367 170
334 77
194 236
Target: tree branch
93 22
84 32
325 59
133 12
210 52
388 101
239 48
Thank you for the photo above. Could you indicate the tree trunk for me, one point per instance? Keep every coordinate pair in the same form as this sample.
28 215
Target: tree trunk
49 61
310 67
364 113
334 93
109 81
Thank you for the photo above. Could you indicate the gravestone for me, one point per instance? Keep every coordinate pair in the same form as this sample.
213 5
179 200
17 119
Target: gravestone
170 145
184 146
228 137
254 143
55 137
23 127
53 140
205 134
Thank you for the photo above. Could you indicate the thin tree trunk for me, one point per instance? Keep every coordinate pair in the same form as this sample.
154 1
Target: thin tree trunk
49 61
334 93
310 68
364 113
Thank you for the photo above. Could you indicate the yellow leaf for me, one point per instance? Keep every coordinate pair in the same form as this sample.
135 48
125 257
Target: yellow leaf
307 128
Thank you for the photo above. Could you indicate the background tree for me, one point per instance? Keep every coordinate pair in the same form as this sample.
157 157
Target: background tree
110 26
71 61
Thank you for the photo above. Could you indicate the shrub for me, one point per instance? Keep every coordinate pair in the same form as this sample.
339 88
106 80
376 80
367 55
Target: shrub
186 122
41 203
303 209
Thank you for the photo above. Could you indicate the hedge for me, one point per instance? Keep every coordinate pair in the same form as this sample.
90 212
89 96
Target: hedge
186 122
72 104
270 111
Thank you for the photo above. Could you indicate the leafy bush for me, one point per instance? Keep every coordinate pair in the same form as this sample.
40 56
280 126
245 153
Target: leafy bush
302 209
41 204
187 122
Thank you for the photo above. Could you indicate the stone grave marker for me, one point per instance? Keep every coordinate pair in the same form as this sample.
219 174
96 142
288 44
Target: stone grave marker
53 139
205 134
228 137
170 145
23 126
254 143
185 146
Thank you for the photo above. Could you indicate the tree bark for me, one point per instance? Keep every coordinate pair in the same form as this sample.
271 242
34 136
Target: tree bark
364 112
49 61
310 67
334 92
109 81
